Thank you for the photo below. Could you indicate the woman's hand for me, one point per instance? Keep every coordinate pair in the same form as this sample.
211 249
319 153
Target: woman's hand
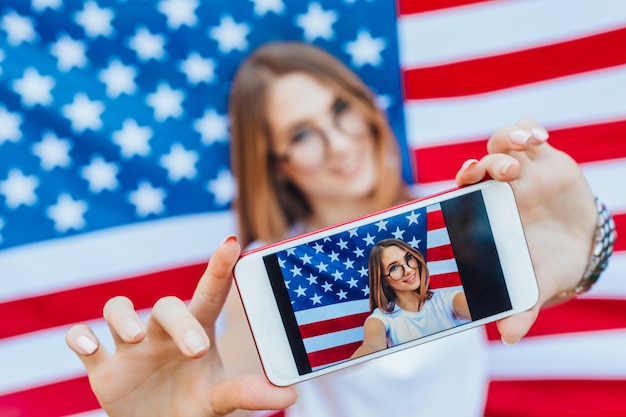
170 365
556 205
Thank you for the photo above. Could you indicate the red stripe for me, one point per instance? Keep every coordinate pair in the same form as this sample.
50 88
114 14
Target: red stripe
451 279
331 355
439 253
85 303
577 315
556 398
408 7
441 163
334 325
435 220
53 400
517 68
620 226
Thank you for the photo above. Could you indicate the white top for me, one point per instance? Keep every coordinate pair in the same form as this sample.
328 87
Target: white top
437 314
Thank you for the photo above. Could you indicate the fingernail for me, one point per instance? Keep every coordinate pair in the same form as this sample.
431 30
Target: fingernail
503 166
519 136
229 239
468 164
507 343
131 328
540 133
86 345
194 341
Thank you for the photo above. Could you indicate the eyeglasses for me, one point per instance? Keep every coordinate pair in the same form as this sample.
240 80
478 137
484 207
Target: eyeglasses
308 147
396 272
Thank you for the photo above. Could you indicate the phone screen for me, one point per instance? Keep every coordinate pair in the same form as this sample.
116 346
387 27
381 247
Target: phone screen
323 289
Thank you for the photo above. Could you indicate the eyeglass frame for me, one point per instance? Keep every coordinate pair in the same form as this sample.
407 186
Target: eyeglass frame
405 265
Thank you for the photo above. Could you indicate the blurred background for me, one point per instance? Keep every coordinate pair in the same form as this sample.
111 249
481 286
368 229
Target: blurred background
115 178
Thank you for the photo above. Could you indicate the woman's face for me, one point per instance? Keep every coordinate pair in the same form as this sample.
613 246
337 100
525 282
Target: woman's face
395 261
323 145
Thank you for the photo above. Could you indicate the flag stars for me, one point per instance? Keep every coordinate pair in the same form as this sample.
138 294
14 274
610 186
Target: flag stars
147 199
358 252
366 50
179 12
84 113
398 234
166 102
306 259
41 5
334 256
69 53
366 291
296 271
212 127
353 282
342 244
382 225
19 189
263 7
230 35
412 218
197 69
369 240
318 247
118 79
415 242
312 279
349 264
34 88
10 126
180 163
363 272
133 139
338 275
222 187
301 292
147 46
19 29
94 20
342 294
101 175
327 286
317 23
316 299
67 213
321 266
353 232
52 152
1 227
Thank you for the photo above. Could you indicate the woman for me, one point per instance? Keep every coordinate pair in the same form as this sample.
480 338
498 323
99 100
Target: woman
311 149
403 306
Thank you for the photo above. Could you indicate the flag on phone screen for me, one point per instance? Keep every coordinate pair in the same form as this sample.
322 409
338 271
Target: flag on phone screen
115 177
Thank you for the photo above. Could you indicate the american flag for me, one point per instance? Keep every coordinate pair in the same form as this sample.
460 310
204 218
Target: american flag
327 279
114 175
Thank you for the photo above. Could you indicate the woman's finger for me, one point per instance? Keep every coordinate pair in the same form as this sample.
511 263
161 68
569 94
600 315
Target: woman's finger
500 167
85 344
123 320
522 136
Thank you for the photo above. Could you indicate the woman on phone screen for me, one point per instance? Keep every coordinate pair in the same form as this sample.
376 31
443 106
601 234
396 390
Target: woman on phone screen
310 148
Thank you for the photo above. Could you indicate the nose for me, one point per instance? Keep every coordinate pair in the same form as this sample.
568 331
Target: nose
337 140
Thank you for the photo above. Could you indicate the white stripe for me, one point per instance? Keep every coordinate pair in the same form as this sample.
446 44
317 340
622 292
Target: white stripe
605 179
332 311
585 355
111 254
584 99
611 283
487 29
438 237
329 340
442 267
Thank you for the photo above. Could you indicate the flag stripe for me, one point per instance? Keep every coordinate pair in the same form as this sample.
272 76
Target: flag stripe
324 326
607 144
407 7
557 398
332 355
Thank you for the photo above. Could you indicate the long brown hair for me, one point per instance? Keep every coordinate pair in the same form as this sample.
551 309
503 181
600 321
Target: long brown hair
266 205
382 296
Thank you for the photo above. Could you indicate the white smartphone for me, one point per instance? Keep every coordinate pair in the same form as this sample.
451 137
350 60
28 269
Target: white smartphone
307 298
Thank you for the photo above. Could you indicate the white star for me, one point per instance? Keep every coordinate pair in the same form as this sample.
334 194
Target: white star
317 23
398 233
52 151
147 199
353 232
353 282
296 271
133 139
230 35
222 187
118 79
101 175
179 12
10 126
338 275
147 46
300 291
349 264
327 286
334 256
318 248
94 20
19 189
363 271
67 213
69 53
1 227
2 56
40 5
198 69
166 102
415 242
366 291
321 266
382 225
306 259
179 163
281 262
212 127
84 113
291 251
18 28
262 7
316 299
366 50
312 279
342 244
34 88
384 101
342 294
358 252
412 218
369 240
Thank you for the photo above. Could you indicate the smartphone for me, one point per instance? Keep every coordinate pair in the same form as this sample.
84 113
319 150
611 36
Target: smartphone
307 298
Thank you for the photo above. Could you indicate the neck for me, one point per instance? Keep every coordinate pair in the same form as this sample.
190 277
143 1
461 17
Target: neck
408 300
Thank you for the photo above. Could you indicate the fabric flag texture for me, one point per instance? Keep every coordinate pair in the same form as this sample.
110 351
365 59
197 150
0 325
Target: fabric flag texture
114 166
